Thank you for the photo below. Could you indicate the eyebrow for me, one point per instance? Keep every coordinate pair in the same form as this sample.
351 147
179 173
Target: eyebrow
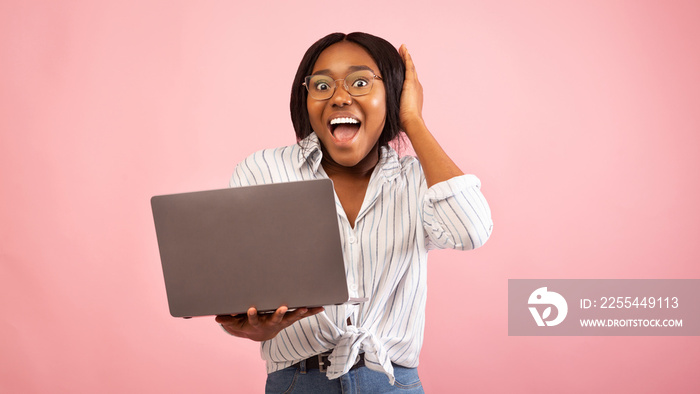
351 69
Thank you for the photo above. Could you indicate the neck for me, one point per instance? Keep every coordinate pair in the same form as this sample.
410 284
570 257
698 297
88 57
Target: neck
363 169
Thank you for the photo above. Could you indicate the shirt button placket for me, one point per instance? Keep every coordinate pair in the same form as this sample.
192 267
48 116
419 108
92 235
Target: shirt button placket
356 268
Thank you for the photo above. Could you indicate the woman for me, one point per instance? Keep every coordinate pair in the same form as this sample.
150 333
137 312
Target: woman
352 94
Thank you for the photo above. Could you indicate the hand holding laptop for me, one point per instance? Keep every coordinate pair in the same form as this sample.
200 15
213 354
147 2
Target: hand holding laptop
265 326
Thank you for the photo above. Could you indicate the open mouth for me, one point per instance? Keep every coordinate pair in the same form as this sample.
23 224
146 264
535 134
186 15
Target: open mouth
344 129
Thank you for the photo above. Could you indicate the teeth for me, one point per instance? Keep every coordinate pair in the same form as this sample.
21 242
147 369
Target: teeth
344 121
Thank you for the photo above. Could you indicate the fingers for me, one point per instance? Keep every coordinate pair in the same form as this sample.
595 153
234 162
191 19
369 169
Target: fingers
253 317
222 319
315 311
407 60
254 326
301 313
403 51
233 324
278 316
229 319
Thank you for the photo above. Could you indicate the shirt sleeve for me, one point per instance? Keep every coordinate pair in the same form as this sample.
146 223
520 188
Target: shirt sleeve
248 172
238 178
456 214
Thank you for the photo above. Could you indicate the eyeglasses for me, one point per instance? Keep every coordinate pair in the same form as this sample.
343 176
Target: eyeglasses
322 87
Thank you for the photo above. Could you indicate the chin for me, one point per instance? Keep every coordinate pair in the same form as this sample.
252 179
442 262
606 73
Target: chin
345 160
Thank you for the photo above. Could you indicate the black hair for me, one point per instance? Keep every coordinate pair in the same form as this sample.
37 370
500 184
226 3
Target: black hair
391 68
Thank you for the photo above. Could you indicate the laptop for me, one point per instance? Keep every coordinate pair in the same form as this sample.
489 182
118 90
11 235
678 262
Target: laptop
224 251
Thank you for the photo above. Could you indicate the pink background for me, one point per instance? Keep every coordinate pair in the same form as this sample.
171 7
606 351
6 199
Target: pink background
581 121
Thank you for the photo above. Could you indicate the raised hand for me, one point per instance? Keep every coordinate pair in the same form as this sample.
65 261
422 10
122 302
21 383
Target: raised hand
411 106
436 164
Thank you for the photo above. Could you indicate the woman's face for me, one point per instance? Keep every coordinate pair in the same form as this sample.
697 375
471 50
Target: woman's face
347 144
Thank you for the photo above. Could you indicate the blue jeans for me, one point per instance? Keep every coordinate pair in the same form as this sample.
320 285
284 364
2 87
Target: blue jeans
298 379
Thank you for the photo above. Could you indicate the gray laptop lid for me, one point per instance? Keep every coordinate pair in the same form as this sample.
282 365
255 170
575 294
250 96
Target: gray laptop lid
223 251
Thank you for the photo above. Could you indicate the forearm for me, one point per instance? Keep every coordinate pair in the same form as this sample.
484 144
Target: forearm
437 165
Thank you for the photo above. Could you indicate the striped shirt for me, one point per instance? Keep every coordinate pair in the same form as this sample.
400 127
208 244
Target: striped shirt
385 257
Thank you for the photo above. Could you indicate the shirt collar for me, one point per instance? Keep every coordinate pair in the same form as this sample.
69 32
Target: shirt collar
389 165
310 154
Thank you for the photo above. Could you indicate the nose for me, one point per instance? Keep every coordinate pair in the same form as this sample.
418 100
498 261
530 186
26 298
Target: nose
341 96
